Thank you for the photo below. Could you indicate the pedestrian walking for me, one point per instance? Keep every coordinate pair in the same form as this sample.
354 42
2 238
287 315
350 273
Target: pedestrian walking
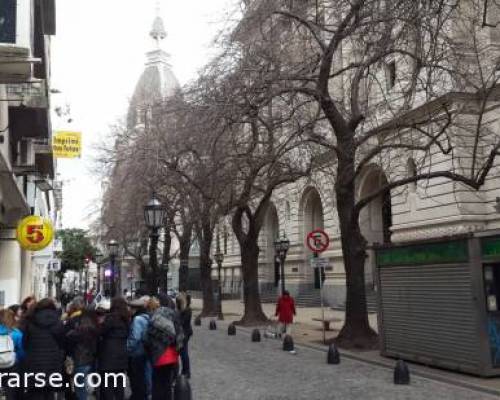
285 311
82 335
112 347
18 312
138 359
43 339
27 303
152 305
11 350
164 339
71 319
185 314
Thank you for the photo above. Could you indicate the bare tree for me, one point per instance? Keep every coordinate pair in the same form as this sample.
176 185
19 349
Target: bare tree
405 79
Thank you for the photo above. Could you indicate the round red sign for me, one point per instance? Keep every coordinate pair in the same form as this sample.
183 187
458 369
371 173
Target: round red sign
318 241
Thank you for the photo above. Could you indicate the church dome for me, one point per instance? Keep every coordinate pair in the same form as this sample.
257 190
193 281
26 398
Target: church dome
157 82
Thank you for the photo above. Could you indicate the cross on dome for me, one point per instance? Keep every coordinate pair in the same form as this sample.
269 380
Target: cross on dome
158 32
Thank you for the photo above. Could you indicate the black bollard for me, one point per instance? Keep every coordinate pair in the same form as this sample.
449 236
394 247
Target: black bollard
182 389
197 321
333 356
212 326
288 343
231 330
255 335
401 373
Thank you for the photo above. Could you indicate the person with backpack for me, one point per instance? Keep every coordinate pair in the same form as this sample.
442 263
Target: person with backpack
164 339
43 343
285 311
112 349
11 350
81 343
135 346
183 302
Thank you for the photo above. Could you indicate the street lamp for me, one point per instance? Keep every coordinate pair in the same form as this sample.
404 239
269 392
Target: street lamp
154 214
113 251
85 295
281 246
98 259
219 259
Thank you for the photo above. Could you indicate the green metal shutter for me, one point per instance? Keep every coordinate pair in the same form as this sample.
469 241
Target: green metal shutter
429 315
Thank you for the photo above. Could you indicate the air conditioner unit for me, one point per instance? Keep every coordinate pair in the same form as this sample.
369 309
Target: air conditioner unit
16 32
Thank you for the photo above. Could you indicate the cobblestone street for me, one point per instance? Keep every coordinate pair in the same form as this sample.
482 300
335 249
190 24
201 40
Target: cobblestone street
229 368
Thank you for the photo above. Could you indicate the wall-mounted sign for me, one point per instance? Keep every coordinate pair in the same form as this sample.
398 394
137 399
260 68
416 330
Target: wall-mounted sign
34 233
8 21
67 144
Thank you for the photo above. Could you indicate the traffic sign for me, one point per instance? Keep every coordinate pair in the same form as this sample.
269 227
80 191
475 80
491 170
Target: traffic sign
318 241
317 262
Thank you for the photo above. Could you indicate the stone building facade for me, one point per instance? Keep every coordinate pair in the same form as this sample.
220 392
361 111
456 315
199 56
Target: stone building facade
429 209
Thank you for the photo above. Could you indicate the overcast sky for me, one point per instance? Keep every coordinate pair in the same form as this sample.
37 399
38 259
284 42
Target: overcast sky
98 55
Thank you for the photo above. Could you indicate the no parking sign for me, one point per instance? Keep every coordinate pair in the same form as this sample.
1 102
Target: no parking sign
317 241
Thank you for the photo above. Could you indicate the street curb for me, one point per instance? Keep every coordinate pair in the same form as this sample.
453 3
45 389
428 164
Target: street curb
415 369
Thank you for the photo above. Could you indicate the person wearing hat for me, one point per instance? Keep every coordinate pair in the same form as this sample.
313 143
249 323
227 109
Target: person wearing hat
135 346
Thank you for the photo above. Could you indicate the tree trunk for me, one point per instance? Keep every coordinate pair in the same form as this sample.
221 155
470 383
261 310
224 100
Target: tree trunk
165 259
356 332
209 307
185 247
253 314
153 276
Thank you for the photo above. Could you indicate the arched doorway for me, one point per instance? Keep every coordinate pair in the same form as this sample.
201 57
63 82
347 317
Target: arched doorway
313 219
376 218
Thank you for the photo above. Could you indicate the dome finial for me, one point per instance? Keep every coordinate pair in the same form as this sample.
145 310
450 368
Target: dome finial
158 32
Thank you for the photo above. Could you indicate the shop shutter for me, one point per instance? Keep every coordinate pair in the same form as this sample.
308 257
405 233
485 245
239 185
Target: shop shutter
429 315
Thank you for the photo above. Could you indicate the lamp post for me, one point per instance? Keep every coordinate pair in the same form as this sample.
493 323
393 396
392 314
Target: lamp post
113 251
154 214
219 259
98 259
86 289
281 246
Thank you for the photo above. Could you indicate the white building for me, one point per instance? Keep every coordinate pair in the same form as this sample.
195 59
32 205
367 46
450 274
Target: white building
26 162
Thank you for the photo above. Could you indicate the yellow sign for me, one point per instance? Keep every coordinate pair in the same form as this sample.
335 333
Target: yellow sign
67 144
34 233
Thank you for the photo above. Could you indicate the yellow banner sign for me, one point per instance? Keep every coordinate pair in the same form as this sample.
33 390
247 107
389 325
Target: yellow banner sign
34 233
67 144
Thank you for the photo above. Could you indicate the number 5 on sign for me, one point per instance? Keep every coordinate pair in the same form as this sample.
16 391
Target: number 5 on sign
34 233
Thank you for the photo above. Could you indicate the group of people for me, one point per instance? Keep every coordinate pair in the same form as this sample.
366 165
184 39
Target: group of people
144 338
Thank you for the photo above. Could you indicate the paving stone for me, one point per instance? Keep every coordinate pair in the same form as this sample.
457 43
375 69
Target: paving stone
232 367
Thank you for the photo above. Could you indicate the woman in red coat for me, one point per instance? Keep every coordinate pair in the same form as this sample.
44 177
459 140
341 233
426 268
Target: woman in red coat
285 310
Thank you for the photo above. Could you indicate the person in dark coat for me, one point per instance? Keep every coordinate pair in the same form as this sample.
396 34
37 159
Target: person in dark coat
163 341
285 311
112 349
183 302
43 339
138 360
81 344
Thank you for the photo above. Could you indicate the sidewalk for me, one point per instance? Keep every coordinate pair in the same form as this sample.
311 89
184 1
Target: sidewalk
309 333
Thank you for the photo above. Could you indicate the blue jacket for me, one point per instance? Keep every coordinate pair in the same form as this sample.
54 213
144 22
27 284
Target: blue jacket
135 340
17 338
